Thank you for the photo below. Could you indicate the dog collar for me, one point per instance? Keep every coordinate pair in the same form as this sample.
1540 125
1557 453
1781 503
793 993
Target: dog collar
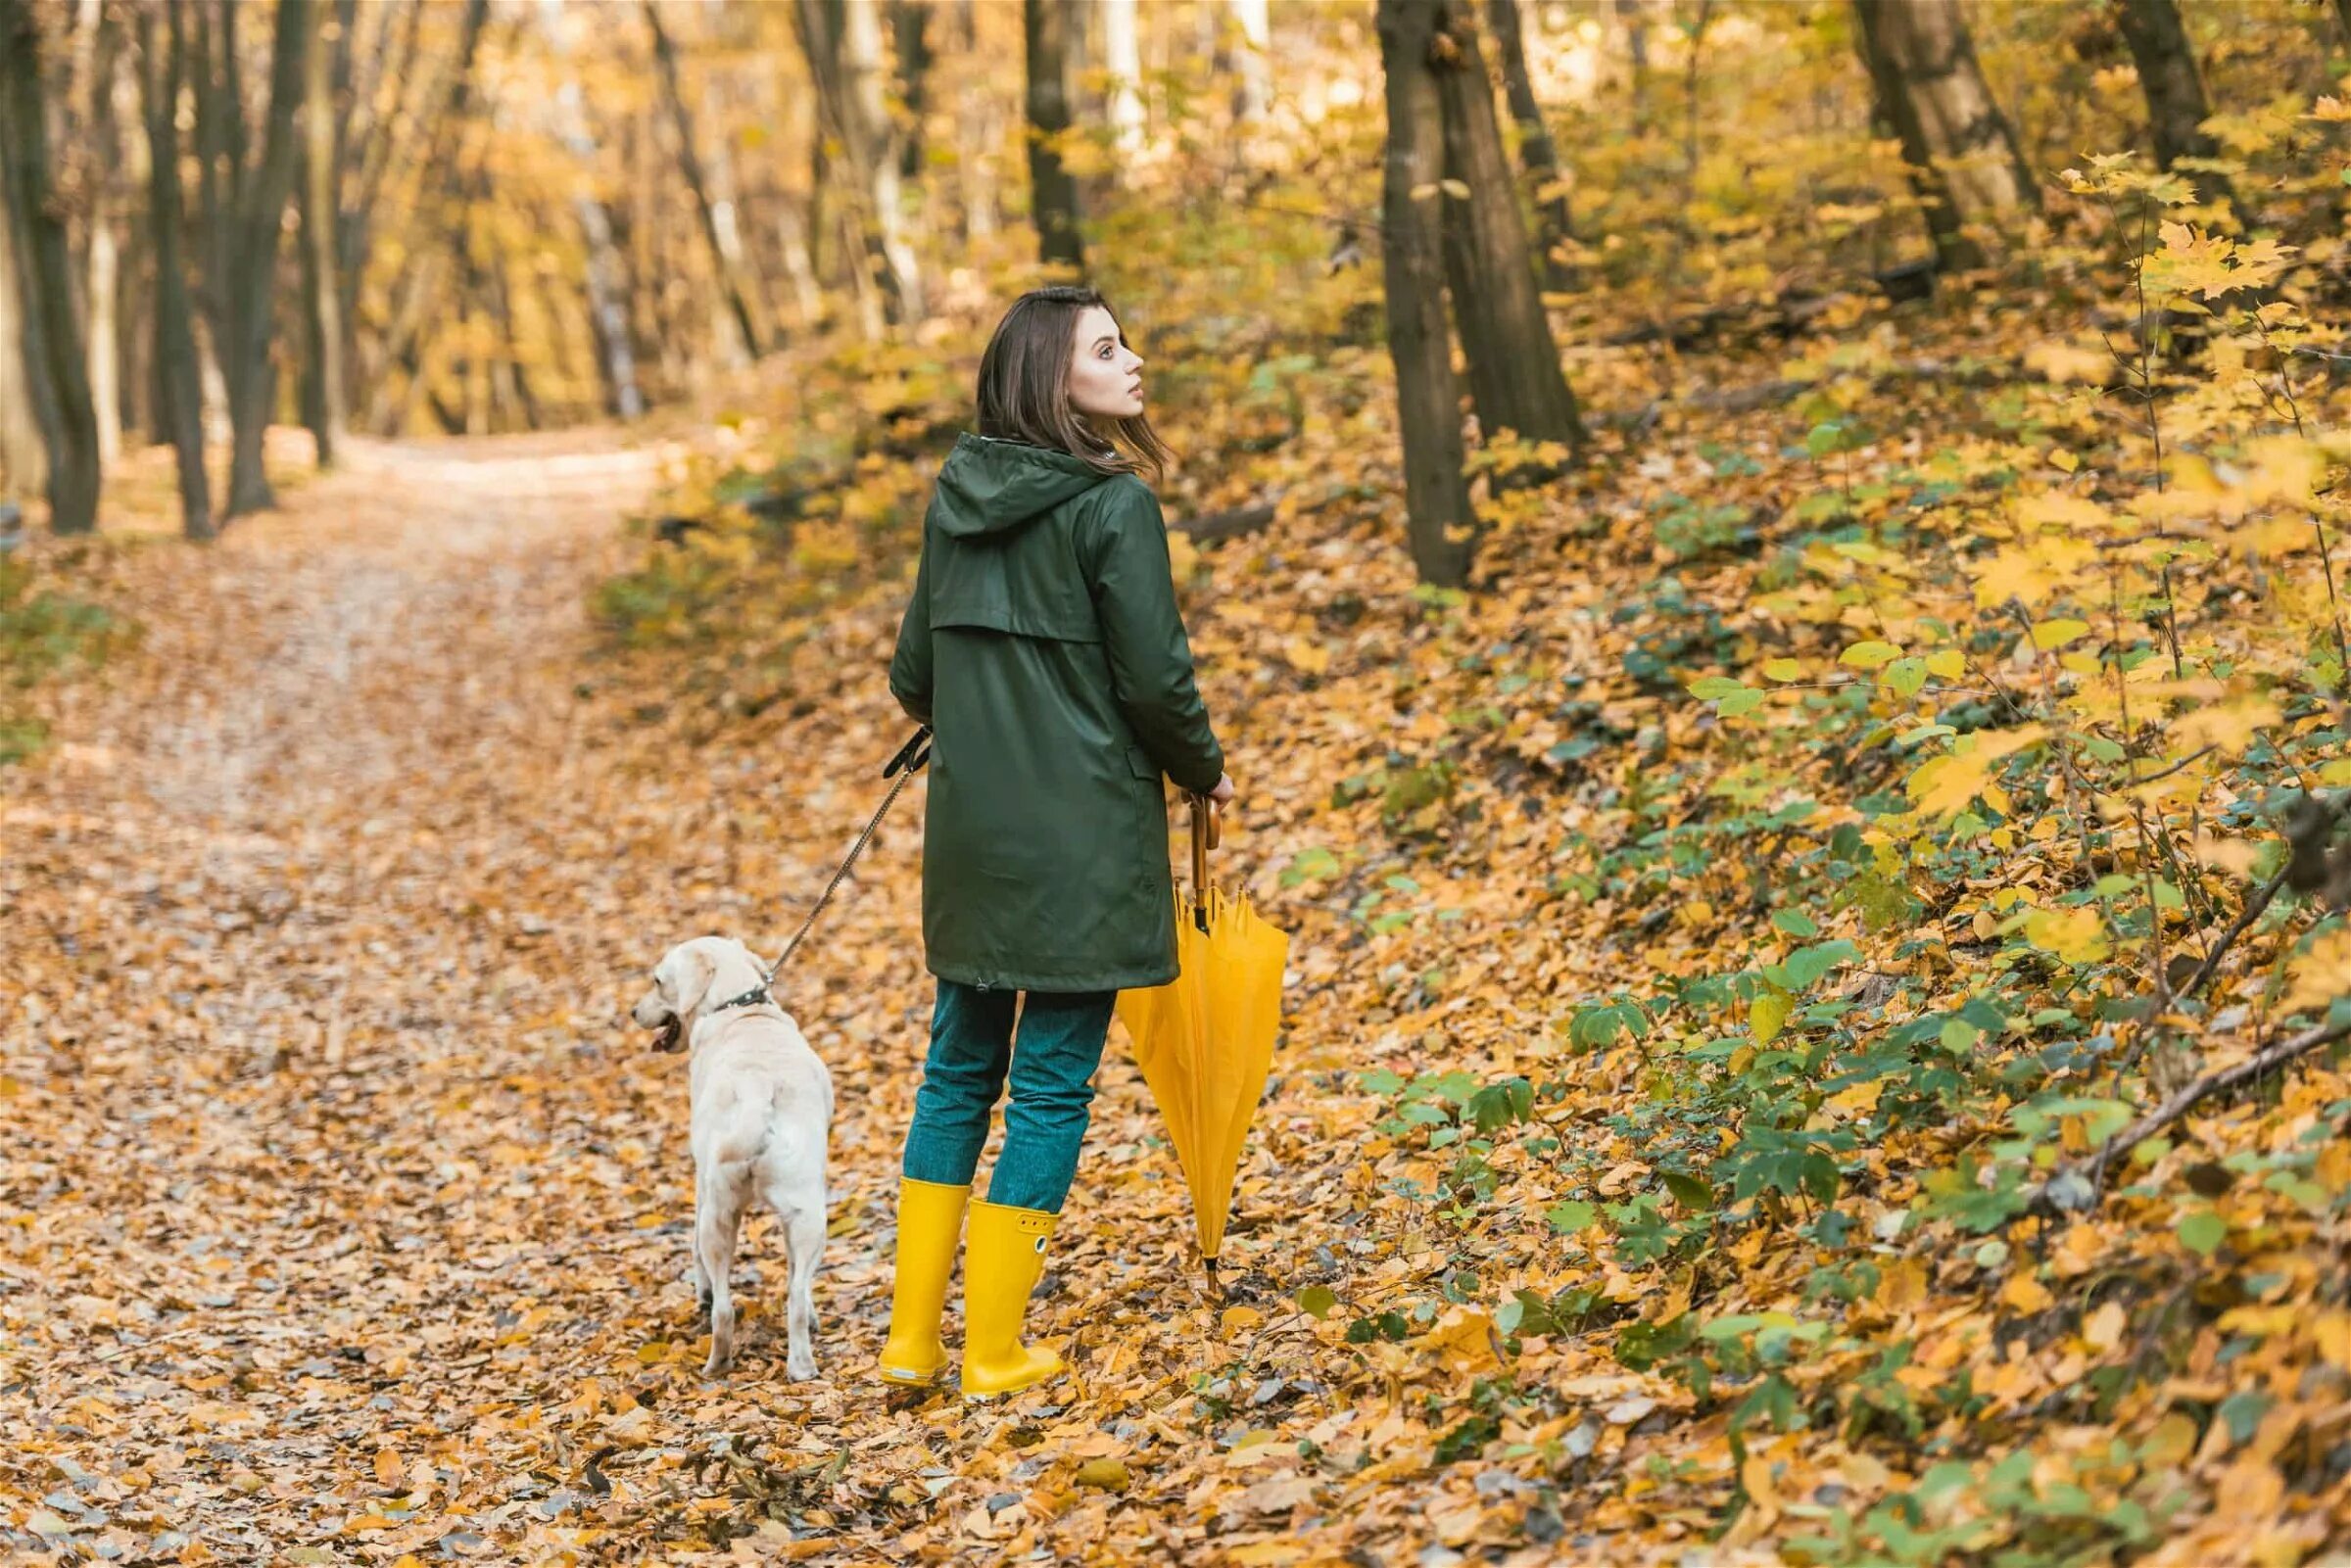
756 994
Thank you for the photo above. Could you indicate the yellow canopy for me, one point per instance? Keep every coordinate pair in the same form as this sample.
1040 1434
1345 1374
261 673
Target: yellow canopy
1205 1041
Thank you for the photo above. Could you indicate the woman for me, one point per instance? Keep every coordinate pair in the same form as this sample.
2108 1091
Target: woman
1043 648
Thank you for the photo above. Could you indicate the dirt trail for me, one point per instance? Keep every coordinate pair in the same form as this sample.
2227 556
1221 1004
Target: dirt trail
321 1122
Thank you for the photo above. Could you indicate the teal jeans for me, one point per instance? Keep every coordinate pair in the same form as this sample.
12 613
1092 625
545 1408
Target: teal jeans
1052 1071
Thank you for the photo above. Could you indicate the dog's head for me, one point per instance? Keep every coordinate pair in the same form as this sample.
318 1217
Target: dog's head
688 976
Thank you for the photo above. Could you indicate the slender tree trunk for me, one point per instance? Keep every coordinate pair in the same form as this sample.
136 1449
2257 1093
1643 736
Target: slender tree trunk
791 238
45 277
1515 375
1634 14
1962 148
608 279
910 48
102 304
1537 153
1123 58
252 372
24 449
718 227
2174 91
180 399
980 132
844 46
1443 528
1253 62
321 211
1052 190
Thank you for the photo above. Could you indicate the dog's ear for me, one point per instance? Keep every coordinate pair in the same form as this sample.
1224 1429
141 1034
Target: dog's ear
685 977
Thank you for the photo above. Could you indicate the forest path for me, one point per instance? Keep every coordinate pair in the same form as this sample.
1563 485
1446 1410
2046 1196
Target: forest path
322 905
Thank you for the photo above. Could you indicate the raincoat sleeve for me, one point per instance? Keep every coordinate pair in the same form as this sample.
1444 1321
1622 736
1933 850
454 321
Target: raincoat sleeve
910 665
1133 589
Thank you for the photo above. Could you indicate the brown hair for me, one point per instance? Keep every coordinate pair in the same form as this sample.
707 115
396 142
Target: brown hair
1025 386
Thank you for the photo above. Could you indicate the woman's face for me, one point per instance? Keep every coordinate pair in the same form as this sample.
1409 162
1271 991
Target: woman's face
1106 376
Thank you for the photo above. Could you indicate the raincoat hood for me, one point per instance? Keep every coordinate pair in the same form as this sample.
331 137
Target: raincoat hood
988 485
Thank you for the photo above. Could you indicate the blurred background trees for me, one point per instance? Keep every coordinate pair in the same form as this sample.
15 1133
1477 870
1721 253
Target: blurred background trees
399 217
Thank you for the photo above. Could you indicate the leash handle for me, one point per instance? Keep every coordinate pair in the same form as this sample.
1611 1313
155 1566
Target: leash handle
911 756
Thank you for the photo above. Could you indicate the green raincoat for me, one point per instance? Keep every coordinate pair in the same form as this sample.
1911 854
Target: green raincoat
1043 648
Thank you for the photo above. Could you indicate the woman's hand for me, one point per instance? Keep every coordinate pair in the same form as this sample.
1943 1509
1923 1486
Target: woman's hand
1224 792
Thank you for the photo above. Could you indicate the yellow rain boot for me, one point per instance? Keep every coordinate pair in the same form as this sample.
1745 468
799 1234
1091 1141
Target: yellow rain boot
930 1216
1001 1261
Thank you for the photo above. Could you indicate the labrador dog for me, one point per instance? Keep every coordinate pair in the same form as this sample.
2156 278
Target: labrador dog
761 1118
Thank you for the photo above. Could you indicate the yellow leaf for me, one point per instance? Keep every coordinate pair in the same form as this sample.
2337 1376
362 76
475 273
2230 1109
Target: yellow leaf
1904 1284
2103 1329
2025 1293
2075 936
1462 1341
1767 1015
389 1471
1942 786
2058 634
2069 361
1311 658
1870 655
1238 1320
1783 670
1861 1097
1947 664
2321 975
2229 727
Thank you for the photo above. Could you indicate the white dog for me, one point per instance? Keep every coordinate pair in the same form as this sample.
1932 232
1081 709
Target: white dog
762 1114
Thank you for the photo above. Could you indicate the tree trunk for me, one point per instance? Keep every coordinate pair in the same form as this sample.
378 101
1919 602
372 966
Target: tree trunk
23 448
252 285
980 135
1443 528
1515 377
718 227
608 279
2174 91
910 48
46 279
1122 58
844 54
1052 190
323 386
180 399
1253 62
1963 154
103 302
1537 153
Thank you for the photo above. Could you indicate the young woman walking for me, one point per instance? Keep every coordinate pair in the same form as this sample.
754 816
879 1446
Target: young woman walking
1044 649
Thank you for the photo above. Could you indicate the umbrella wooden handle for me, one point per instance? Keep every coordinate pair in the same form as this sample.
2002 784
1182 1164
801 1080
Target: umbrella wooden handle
1208 829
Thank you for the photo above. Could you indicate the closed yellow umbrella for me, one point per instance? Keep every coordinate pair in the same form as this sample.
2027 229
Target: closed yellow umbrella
1205 1041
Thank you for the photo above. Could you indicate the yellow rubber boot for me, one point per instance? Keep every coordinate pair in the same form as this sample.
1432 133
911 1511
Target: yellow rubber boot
1001 1261
930 1220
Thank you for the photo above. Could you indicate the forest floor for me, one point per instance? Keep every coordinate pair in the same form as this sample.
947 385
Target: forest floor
344 1210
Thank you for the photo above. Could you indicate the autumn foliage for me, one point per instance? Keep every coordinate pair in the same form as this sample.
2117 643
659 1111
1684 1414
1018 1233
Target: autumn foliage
1818 979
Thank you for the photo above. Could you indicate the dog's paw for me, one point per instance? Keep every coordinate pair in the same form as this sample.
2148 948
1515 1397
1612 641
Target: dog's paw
800 1366
716 1367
